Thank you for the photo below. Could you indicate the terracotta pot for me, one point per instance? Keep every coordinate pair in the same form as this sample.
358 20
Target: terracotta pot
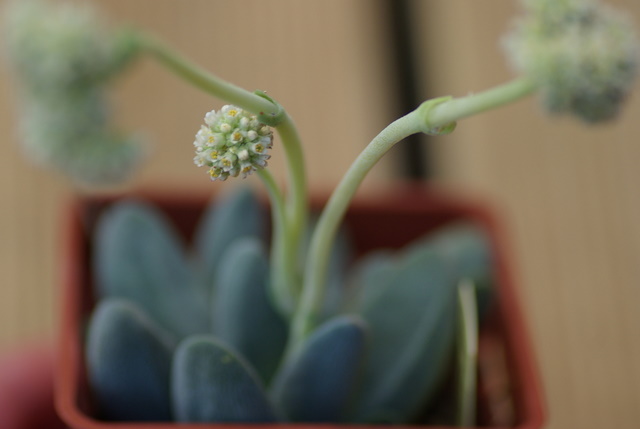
509 391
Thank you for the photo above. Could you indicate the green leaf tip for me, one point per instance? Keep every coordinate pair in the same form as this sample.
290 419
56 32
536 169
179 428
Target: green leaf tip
272 119
211 383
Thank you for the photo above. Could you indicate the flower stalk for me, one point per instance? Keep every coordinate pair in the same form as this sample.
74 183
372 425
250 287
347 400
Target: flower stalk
280 250
285 277
437 116
204 80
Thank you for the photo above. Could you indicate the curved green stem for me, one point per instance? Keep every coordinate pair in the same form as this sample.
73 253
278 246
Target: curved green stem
329 221
284 297
467 351
297 204
204 80
433 117
458 108
289 236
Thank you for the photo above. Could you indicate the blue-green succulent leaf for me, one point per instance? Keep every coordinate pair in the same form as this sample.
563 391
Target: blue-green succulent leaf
227 219
139 257
128 363
467 249
317 382
339 260
212 383
411 314
370 277
243 314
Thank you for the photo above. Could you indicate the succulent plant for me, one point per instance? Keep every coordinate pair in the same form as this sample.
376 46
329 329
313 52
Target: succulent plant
194 336
232 328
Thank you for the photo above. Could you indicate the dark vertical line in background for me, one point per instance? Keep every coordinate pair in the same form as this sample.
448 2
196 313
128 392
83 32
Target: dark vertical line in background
415 159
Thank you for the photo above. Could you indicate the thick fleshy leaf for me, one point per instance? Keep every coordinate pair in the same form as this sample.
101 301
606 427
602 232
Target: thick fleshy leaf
339 260
233 216
243 315
139 257
317 382
370 277
211 383
409 305
467 249
129 363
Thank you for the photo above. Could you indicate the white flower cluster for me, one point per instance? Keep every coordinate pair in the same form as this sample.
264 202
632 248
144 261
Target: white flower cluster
58 48
582 54
77 139
63 58
232 142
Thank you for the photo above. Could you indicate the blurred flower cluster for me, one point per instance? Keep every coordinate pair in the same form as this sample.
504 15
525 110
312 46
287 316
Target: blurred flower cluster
582 54
64 59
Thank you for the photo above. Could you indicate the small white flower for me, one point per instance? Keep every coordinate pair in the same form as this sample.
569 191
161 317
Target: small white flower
258 148
233 142
210 118
243 155
236 137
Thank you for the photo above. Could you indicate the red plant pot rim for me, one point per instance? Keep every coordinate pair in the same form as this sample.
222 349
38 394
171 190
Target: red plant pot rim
408 200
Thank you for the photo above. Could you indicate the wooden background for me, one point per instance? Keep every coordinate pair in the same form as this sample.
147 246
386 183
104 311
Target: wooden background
567 193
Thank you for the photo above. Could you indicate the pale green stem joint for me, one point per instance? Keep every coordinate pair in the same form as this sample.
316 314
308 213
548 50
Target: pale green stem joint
273 119
424 111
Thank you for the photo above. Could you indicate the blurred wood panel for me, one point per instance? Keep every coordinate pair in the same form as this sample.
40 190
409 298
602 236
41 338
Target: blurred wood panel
566 192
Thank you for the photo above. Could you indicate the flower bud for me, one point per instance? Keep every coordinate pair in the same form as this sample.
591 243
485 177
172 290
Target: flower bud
233 142
582 55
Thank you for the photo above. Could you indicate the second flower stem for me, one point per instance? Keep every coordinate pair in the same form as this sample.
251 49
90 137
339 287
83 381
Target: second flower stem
430 117
329 221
